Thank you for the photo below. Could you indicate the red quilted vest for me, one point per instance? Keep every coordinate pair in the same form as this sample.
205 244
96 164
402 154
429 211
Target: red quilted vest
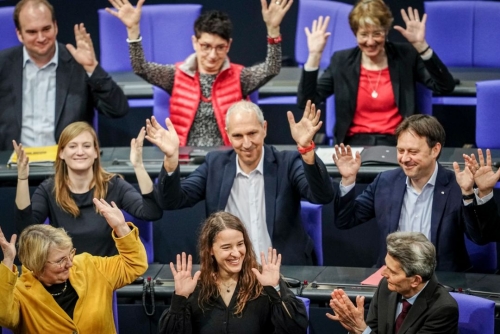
186 96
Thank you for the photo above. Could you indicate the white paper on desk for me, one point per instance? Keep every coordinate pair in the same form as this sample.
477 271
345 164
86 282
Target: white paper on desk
326 153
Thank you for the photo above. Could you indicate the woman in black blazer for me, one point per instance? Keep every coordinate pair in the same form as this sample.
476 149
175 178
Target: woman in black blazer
373 83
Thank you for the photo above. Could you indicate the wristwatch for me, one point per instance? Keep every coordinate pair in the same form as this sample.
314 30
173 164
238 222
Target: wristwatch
470 196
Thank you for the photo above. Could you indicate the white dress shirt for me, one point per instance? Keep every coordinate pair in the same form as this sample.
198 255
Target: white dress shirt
247 201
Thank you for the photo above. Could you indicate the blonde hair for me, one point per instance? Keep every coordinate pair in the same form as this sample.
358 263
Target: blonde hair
100 178
35 243
373 12
250 288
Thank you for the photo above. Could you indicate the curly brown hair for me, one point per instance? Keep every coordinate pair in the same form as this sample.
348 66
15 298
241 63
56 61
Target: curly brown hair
250 288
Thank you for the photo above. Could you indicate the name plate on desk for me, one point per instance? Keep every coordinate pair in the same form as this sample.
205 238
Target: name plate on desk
321 291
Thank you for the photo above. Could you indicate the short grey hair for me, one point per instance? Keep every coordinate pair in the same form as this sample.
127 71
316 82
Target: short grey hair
415 253
247 106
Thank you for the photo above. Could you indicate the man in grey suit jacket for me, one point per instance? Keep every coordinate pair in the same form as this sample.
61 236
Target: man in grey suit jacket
255 182
409 298
44 85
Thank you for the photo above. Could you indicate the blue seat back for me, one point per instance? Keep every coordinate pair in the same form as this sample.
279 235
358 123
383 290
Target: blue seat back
482 257
311 215
7 28
487 121
476 315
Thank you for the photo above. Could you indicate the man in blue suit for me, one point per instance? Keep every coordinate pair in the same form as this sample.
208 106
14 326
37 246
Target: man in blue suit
256 182
46 85
421 196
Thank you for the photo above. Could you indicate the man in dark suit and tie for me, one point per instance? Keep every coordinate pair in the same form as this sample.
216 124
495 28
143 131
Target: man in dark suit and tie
45 85
256 182
409 298
421 196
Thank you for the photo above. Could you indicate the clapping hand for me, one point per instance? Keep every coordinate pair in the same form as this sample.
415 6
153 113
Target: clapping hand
136 145
347 165
270 275
273 14
8 249
129 15
84 52
184 283
23 169
166 139
415 28
317 36
349 316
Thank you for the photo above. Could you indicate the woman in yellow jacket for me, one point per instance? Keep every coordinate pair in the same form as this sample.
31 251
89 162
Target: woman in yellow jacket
59 292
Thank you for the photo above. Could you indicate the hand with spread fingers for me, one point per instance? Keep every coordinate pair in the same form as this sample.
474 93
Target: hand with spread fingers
465 178
166 139
270 275
8 249
113 215
128 14
184 282
350 316
484 176
84 52
415 28
316 40
273 15
347 164
303 132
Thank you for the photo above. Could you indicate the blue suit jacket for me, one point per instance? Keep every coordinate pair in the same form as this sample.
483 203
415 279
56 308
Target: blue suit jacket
76 94
286 180
383 200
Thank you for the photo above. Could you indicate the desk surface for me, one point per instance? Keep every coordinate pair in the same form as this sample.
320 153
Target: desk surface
287 81
116 160
322 280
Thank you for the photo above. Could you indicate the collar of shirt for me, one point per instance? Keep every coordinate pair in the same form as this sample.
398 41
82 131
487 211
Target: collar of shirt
54 60
260 166
412 299
432 180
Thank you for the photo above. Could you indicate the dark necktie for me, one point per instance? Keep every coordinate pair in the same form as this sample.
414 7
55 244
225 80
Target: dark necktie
401 317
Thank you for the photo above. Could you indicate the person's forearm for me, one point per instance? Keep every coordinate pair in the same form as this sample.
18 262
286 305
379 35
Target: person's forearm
22 194
133 32
143 179
171 163
313 61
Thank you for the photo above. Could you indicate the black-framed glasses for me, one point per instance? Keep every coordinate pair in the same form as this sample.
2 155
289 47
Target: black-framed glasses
62 262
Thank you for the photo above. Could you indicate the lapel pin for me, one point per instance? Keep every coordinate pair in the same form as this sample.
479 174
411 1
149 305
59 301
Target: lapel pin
442 192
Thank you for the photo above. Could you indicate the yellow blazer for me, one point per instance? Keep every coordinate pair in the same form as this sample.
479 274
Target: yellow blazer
27 307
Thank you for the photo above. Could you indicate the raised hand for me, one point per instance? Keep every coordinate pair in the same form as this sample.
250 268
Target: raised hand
167 141
136 145
270 275
465 178
303 132
349 316
318 36
415 28
484 176
347 164
84 52
273 14
23 168
113 216
184 283
8 249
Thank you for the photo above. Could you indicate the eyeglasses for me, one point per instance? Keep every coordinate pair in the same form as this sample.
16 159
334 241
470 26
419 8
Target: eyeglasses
62 262
207 48
375 35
